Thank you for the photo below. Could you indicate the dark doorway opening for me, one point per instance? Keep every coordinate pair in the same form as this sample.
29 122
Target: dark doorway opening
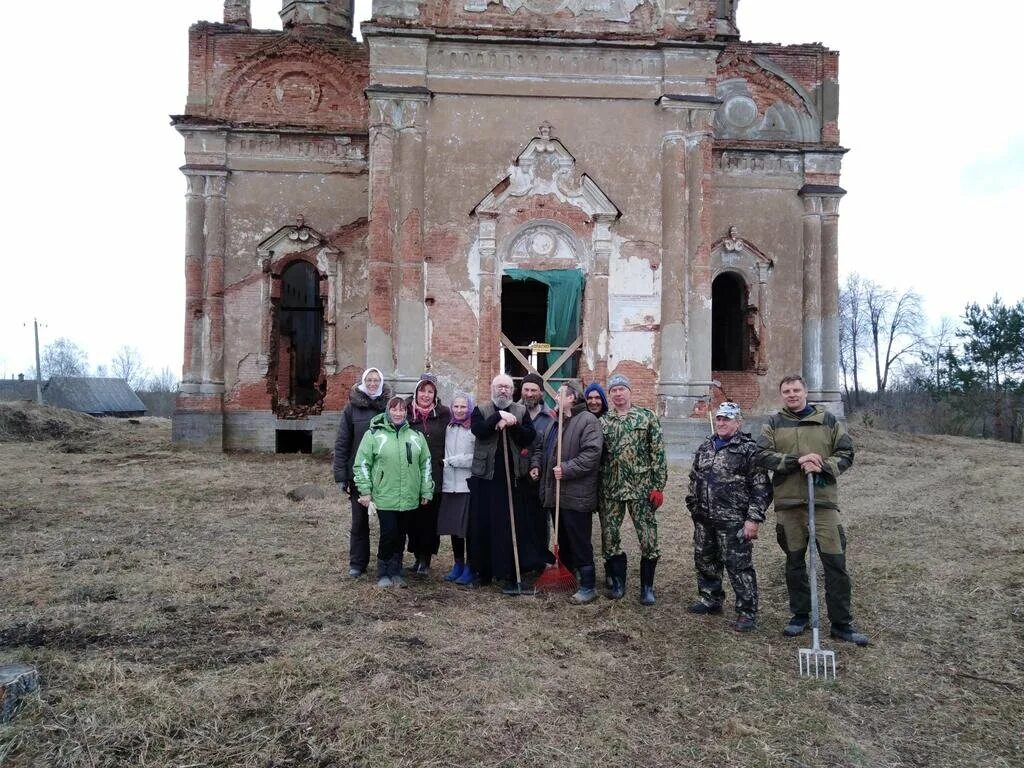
294 441
300 332
524 309
728 323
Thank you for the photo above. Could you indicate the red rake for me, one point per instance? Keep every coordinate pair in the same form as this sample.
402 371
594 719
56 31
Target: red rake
556 577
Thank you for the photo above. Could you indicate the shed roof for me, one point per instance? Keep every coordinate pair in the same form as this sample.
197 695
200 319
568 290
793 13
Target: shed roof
92 395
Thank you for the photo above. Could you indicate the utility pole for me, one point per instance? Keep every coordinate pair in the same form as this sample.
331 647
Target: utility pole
39 376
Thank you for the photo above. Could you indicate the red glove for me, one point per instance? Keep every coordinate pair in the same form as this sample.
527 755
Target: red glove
656 498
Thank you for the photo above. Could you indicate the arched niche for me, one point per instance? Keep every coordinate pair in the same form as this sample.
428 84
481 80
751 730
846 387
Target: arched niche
747 264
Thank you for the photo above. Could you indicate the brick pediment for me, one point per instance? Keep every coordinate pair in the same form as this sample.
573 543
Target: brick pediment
296 84
761 102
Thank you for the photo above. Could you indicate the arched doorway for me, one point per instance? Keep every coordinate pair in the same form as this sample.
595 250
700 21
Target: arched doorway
729 342
540 322
299 336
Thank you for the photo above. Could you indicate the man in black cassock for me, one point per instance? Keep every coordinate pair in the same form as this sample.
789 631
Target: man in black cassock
490 532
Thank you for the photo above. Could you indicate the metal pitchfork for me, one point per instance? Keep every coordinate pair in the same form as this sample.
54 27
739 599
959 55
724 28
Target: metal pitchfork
816 658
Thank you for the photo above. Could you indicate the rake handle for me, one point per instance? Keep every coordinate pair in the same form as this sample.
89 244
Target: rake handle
558 461
511 513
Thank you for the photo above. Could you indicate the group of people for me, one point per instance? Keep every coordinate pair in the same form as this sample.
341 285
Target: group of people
490 475
478 472
728 498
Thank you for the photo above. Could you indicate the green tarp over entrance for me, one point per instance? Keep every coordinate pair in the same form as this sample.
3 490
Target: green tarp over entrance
565 291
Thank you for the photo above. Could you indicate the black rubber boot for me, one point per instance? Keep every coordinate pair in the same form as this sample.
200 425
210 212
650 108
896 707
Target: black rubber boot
647 566
619 564
608 569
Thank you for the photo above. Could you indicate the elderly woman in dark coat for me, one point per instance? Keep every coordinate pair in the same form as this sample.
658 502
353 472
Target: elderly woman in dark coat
428 416
368 398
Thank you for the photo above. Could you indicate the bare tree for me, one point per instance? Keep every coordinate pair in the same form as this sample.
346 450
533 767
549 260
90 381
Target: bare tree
853 333
894 323
164 381
933 351
62 357
127 364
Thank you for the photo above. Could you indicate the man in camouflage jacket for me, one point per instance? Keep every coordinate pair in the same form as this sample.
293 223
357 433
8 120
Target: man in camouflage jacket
633 476
804 439
728 497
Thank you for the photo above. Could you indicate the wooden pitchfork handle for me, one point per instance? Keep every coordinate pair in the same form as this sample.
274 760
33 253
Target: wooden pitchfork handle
558 461
511 513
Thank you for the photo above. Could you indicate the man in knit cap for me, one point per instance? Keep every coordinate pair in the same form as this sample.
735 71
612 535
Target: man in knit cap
633 476
531 397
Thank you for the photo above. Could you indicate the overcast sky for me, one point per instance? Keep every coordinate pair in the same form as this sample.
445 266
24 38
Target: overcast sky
95 211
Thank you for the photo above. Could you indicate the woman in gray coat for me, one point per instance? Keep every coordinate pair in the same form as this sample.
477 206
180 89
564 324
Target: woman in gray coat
453 517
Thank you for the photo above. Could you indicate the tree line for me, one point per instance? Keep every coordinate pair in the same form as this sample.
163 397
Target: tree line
964 377
62 357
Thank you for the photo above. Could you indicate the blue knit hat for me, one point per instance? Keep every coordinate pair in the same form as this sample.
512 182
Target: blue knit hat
595 387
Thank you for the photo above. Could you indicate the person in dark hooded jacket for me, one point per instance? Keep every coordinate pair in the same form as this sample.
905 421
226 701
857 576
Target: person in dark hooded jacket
597 401
368 398
428 416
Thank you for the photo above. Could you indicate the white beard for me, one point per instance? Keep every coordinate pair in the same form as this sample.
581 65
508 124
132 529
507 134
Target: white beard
502 402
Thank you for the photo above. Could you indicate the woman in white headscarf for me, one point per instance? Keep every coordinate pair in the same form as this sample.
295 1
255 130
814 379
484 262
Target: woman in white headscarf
368 398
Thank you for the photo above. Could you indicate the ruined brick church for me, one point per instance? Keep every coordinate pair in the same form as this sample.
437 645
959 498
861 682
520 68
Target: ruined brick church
579 186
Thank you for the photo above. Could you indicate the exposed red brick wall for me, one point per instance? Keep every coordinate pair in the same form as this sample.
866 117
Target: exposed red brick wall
741 387
303 77
194 402
249 396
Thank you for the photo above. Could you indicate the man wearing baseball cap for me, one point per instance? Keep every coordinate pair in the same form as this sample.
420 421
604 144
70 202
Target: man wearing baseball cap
728 497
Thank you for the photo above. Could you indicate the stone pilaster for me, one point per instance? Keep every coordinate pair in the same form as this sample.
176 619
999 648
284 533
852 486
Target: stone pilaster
397 161
331 320
213 298
811 315
821 292
595 298
198 416
382 140
685 339
195 249
830 390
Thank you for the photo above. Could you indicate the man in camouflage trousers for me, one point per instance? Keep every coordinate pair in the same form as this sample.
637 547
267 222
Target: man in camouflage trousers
728 496
633 476
799 440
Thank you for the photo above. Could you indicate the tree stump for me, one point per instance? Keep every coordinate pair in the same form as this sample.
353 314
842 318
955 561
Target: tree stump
16 681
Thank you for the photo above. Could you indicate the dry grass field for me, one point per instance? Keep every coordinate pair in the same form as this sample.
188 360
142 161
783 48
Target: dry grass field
183 612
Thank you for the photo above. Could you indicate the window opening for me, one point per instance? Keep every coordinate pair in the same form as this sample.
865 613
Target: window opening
300 331
729 348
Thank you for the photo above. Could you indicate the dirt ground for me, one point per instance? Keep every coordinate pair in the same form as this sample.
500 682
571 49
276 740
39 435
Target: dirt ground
183 612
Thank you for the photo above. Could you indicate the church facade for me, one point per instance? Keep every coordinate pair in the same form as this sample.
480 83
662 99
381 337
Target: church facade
580 186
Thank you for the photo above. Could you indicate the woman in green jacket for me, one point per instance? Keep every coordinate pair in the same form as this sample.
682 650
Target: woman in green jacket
392 473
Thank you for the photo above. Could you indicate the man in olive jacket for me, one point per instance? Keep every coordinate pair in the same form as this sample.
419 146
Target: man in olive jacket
576 475
804 439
